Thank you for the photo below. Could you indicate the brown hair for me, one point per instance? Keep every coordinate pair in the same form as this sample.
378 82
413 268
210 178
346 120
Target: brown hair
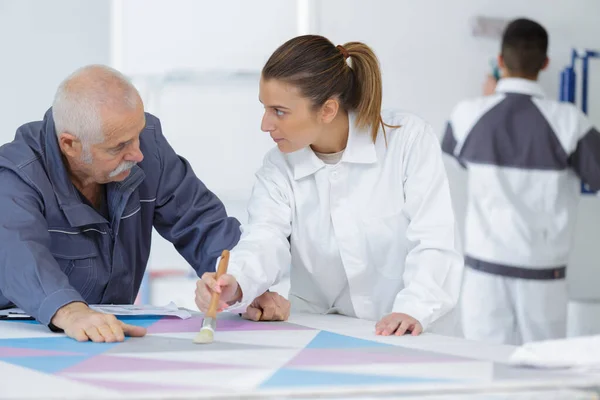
319 69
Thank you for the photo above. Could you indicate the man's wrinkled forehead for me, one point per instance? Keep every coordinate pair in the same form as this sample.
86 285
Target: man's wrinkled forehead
122 127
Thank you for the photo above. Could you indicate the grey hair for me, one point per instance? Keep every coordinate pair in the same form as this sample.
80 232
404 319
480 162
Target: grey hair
82 96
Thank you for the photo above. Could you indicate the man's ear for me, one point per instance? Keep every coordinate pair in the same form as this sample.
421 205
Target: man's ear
546 63
70 145
329 110
502 66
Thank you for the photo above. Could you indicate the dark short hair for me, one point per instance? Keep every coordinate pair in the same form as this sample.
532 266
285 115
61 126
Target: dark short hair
524 47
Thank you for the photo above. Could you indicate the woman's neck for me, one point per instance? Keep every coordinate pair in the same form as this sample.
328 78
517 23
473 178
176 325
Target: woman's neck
335 138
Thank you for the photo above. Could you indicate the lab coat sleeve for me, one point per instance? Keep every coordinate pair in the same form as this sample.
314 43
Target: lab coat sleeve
433 265
585 160
263 252
30 277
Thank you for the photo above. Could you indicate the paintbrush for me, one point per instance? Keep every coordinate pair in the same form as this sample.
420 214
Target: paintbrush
209 324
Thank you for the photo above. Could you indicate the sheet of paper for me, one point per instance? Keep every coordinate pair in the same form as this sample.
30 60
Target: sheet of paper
170 310
13 313
578 353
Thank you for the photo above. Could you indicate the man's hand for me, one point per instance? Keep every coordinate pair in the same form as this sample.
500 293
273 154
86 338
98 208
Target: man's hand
82 324
398 324
489 86
227 286
269 306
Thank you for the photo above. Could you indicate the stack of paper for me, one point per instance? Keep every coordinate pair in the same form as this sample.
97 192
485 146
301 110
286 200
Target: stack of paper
13 313
170 310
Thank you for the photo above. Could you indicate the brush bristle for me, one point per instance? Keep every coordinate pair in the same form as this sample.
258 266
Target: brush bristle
204 336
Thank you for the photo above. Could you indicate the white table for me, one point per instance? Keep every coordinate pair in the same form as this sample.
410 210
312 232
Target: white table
309 356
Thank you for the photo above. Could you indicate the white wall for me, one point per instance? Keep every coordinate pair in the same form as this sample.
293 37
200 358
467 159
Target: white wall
42 42
161 35
429 58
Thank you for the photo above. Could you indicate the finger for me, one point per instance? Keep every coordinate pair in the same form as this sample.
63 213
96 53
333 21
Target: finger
287 309
417 330
391 326
203 299
379 327
404 325
212 284
202 286
78 335
226 280
117 329
280 313
201 304
268 307
133 331
206 297
252 313
208 282
277 312
283 309
107 333
93 334
268 312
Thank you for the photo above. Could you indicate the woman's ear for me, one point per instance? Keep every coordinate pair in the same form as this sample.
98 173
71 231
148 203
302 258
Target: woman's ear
329 110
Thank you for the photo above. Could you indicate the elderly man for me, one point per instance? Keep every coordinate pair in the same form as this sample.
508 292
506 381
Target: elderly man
79 194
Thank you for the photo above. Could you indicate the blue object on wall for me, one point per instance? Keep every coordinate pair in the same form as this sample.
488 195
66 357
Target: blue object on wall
568 84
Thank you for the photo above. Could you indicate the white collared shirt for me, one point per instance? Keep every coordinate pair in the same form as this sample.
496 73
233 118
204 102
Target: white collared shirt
371 235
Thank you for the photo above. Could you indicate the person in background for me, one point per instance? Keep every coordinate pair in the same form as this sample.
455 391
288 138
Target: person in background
525 155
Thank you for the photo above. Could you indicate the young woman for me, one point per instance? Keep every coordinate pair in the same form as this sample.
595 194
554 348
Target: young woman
355 202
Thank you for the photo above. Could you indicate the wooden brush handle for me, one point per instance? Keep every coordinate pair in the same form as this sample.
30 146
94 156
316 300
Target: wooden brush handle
221 269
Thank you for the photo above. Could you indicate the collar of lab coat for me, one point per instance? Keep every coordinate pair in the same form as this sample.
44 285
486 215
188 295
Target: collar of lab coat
360 149
519 85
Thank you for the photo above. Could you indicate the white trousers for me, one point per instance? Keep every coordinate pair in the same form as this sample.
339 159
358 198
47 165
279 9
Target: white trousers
497 309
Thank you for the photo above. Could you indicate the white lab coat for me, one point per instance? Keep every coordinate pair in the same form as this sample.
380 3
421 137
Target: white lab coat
377 228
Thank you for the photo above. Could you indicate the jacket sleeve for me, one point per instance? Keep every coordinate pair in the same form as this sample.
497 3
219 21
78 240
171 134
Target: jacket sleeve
585 160
449 141
433 265
263 253
450 144
188 214
30 277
